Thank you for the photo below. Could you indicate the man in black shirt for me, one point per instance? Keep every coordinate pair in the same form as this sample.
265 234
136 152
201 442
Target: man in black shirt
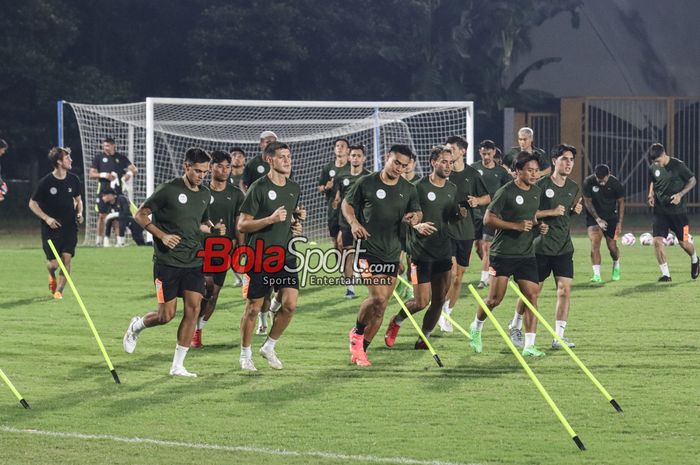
120 211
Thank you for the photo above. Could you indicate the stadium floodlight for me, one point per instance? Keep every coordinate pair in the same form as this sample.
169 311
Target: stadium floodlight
13 389
155 134
528 370
566 347
85 312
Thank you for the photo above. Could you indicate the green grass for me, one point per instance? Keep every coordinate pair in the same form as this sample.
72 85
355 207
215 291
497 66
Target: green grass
638 337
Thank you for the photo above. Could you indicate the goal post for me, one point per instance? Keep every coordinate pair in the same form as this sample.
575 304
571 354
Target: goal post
155 134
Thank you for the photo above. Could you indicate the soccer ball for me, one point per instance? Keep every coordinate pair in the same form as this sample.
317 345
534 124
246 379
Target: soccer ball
646 239
628 239
671 239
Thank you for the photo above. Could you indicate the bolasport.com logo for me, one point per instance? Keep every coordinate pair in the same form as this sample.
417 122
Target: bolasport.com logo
313 265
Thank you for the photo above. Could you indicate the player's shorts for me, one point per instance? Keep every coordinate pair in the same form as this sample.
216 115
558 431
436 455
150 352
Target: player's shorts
259 285
562 266
483 232
369 266
609 231
333 222
346 235
64 239
423 271
677 223
520 268
172 282
218 278
101 206
462 251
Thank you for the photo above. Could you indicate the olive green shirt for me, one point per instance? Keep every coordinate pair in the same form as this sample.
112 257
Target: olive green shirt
669 180
557 241
509 157
493 179
468 182
604 198
328 172
439 206
236 179
178 210
510 203
345 182
226 205
254 169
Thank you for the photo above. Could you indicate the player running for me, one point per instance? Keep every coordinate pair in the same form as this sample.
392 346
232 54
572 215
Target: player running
327 185
526 144
256 167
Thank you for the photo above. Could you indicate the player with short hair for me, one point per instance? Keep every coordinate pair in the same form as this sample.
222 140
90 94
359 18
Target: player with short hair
57 202
604 199
268 219
512 213
472 194
3 184
671 180
555 250
526 144
179 210
238 158
224 207
256 167
327 186
382 201
111 169
431 261
119 209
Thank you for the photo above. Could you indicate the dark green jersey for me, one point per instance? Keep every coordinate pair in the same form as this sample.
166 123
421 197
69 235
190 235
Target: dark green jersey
509 158
261 200
254 169
468 182
226 205
557 241
345 182
604 198
494 178
236 179
415 180
669 180
180 211
511 203
439 206
328 172
381 209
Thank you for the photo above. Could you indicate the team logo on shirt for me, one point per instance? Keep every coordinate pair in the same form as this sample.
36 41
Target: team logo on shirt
104 159
549 193
657 173
211 200
261 169
381 194
481 172
431 196
53 191
519 200
595 189
182 198
346 182
70 189
331 173
272 195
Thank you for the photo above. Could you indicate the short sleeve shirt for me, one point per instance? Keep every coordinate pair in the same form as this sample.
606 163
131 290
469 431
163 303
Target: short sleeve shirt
345 183
669 180
116 163
439 206
557 241
254 169
511 203
226 205
493 179
55 197
509 157
468 182
604 198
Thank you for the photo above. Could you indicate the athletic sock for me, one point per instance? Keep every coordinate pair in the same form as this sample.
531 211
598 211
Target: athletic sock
479 323
179 357
694 258
517 321
596 270
99 240
616 264
359 328
365 344
269 344
530 339
138 326
560 327
447 310
484 276
400 318
246 352
664 269
201 322
351 288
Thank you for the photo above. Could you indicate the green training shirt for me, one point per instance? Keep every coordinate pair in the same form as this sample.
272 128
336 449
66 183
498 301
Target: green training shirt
604 198
669 180
510 203
226 205
557 241
468 182
439 206
509 157
328 172
254 169
493 179
345 182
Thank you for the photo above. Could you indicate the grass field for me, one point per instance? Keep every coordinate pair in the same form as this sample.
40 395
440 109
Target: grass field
638 337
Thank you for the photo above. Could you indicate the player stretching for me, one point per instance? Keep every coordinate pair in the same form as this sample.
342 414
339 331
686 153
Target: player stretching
179 217
383 200
226 200
671 180
512 213
267 219
604 198
58 204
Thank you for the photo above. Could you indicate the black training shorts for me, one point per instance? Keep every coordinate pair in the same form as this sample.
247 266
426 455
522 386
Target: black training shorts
520 268
562 266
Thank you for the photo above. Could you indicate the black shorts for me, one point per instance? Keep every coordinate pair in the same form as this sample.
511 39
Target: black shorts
346 235
218 278
369 266
259 285
677 223
609 231
64 239
462 251
520 268
333 222
172 282
102 207
562 266
422 271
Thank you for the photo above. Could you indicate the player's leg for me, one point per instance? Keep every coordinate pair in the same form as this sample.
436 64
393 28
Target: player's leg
51 267
530 290
348 255
595 235
461 252
420 278
497 289
614 251
66 258
369 318
515 326
439 284
101 209
660 231
136 232
562 310
192 304
248 324
681 229
288 297
212 285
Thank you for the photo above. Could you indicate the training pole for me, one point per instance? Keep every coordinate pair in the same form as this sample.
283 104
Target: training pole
13 389
457 325
415 325
85 312
528 370
568 350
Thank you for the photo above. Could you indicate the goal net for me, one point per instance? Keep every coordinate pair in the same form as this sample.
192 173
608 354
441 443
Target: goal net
155 134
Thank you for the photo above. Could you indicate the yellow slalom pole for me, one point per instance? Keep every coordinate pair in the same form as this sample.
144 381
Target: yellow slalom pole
85 312
528 370
568 350
415 325
13 389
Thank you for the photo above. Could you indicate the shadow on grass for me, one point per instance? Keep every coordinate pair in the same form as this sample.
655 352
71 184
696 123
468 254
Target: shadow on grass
23 302
645 288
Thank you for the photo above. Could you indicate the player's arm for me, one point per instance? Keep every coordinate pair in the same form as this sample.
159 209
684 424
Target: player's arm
78 207
650 197
620 213
492 220
559 210
348 211
248 224
36 209
676 198
94 174
142 217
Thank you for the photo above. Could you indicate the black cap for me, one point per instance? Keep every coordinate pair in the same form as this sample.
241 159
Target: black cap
107 191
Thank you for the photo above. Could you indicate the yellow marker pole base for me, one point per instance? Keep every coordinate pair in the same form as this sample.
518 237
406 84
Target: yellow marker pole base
14 390
420 333
457 325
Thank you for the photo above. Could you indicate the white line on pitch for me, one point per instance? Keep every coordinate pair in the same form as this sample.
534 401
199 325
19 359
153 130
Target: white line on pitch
248 449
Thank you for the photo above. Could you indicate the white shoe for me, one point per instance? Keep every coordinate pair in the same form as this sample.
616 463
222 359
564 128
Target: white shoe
131 337
247 364
181 371
271 357
445 325
106 242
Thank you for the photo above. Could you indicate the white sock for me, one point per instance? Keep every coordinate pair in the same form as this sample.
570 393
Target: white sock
99 240
351 288
530 339
138 326
447 310
517 321
560 327
596 270
262 318
694 258
485 276
246 352
616 264
106 241
479 324
201 322
664 269
179 357
269 344
121 240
